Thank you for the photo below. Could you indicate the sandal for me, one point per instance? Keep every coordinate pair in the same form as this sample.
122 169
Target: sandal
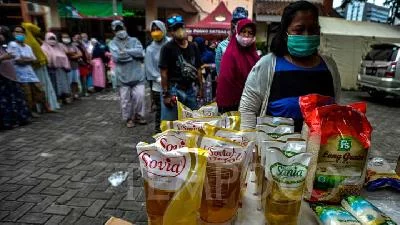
130 124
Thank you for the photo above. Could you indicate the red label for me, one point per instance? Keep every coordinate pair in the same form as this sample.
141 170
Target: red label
170 145
163 166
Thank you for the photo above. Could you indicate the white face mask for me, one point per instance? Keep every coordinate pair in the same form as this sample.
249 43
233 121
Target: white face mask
245 41
66 40
122 34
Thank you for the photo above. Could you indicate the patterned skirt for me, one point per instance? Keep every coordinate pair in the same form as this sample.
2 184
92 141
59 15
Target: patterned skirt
13 108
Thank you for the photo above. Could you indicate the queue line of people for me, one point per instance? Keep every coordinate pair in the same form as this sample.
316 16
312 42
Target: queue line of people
255 86
270 85
40 75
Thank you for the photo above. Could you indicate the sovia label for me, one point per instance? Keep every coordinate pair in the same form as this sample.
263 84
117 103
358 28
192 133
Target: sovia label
289 174
344 144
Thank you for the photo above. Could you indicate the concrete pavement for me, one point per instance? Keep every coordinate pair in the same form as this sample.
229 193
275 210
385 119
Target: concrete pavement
55 170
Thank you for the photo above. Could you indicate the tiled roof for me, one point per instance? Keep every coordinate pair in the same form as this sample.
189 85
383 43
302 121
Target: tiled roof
275 8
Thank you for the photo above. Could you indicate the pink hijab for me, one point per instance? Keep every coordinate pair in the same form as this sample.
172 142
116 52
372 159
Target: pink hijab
236 64
56 56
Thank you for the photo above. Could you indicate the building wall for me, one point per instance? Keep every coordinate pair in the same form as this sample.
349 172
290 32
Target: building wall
361 11
209 5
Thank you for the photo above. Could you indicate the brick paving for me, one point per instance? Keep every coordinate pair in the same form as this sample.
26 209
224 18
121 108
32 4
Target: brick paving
55 170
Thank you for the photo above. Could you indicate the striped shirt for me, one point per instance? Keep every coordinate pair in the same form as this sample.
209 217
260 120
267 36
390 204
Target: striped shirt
220 52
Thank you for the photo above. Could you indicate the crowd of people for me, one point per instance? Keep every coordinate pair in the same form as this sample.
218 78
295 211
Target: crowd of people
41 75
245 82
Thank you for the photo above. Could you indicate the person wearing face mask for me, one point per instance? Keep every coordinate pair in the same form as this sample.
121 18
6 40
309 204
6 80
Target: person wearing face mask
74 55
127 53
40 65
293 69
99 59
24 58
151 60
58 66
240 56
13 107
238 14
207 56
84 63
85 41
179 65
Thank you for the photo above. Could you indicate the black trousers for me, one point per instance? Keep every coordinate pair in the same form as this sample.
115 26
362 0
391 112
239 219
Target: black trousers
156 96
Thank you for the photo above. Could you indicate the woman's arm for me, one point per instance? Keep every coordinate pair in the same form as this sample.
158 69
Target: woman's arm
251 101
332 66
256 91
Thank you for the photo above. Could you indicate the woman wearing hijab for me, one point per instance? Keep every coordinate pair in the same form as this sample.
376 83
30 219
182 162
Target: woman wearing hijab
151 60
13 108
74 56
240 56
293 69
99 58
40 66
207 56
58 66
84 63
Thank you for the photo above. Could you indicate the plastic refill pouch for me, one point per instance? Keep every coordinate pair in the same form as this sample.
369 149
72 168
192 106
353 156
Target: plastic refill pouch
232 122
173 183
226 165
334 215
209 110
289 148
194 124
242 137
285 184
277 129
365 212
275 121
185 112
175 139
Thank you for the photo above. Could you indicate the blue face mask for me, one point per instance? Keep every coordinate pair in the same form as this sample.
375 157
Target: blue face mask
20 37
303 45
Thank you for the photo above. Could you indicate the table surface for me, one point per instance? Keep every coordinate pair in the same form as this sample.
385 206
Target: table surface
386 200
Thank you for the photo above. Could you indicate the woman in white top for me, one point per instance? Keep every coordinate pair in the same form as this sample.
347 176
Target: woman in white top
293 69
23 60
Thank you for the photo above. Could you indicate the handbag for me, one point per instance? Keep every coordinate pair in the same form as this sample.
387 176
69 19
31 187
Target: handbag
188 71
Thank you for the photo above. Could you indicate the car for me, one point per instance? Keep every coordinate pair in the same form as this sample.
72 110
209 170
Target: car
379 73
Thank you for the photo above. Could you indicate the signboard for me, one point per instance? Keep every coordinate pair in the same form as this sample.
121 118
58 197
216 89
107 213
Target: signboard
207 31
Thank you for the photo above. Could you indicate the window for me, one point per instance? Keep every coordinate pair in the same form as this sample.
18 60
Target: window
382 53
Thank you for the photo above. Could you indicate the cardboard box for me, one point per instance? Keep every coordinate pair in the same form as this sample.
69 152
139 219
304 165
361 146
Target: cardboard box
117 221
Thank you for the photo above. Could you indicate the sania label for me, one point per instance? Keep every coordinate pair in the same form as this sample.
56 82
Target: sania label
289 174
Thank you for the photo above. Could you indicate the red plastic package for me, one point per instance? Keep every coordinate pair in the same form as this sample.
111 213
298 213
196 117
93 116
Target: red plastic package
339 138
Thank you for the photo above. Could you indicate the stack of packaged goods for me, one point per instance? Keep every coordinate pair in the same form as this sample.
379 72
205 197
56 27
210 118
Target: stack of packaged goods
354 210
281 169
200 150
196 170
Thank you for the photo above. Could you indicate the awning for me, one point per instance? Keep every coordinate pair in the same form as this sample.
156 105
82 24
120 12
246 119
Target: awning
88 9
218 22
271 11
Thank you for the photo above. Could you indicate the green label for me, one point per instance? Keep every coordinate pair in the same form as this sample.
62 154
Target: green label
289 174
344 144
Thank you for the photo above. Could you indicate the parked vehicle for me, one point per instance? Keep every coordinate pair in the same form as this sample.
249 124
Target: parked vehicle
379 73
